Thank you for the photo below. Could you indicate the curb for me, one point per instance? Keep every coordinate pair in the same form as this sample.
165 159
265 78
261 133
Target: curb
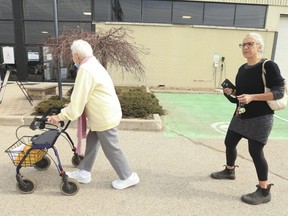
11 120
154 124
142 124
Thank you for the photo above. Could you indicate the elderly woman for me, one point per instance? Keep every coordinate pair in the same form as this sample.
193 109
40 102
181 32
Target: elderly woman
253 118
94 95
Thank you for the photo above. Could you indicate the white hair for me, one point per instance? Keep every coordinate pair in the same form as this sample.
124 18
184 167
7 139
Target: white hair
259 40
81 48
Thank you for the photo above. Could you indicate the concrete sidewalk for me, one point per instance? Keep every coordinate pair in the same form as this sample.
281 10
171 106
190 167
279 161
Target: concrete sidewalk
174 176
174 173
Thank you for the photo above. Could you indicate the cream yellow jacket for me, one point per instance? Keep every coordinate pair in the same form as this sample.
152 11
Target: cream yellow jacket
95 94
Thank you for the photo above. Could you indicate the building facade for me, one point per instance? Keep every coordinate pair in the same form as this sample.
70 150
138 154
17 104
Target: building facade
26 25
192 44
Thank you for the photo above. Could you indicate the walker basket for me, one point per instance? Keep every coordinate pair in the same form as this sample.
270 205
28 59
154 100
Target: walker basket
19 149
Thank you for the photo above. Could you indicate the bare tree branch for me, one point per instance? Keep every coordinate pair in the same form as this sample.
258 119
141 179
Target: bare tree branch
114 47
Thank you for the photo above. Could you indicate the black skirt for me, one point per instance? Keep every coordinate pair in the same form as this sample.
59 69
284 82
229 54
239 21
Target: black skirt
257 128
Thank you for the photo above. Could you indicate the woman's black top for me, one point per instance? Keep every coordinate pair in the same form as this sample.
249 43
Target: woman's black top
249 81
257 121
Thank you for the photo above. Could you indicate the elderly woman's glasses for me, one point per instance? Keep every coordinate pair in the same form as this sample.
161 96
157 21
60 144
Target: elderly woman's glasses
248 44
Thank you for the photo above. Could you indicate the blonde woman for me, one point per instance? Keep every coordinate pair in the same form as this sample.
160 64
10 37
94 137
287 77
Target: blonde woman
253 118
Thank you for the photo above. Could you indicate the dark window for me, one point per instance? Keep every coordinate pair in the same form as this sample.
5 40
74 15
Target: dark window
126 10
102 10
219 14
6 22
38 32
6 10
187 13
74 10
117 11
252 16
73 25
34 59
7 32
38 10
180 12
157 11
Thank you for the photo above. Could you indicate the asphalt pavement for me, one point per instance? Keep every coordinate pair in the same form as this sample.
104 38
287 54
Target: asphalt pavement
174 175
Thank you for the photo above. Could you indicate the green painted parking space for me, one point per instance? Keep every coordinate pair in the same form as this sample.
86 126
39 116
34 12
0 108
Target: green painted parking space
206 116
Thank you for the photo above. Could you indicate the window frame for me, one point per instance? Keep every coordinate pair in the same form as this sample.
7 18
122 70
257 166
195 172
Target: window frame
148 17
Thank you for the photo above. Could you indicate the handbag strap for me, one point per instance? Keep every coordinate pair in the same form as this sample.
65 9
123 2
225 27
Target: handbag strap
264 72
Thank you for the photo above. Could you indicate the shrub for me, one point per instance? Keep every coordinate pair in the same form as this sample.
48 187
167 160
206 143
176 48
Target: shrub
44 105
136 102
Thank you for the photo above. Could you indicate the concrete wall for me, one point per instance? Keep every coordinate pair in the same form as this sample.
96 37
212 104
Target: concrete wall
273 16
182 56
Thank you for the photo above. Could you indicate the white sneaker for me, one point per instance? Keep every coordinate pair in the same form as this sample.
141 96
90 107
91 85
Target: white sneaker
77 175
130 181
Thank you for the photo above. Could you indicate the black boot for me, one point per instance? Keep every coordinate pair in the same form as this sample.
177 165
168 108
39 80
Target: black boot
261 195
224 174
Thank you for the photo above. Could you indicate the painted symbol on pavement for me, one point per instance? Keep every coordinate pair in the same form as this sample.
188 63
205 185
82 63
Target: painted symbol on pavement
220 127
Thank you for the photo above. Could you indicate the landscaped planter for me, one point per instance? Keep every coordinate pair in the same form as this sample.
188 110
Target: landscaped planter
154 124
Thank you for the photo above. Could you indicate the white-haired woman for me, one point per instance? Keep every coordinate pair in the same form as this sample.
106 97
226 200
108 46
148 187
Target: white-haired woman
253 118
94 95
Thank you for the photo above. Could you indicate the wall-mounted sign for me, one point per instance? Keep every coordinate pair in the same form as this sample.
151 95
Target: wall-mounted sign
33 56
8 55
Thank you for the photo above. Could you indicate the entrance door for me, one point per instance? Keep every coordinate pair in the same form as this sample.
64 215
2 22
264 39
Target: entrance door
282 47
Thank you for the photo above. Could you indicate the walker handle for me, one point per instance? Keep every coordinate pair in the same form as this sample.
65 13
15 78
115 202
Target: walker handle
40 122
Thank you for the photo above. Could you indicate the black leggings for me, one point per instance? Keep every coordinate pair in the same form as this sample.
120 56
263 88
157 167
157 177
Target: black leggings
255 149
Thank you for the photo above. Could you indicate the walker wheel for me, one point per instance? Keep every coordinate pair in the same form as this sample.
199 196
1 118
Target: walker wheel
43 164
71 188
76 160
28 186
